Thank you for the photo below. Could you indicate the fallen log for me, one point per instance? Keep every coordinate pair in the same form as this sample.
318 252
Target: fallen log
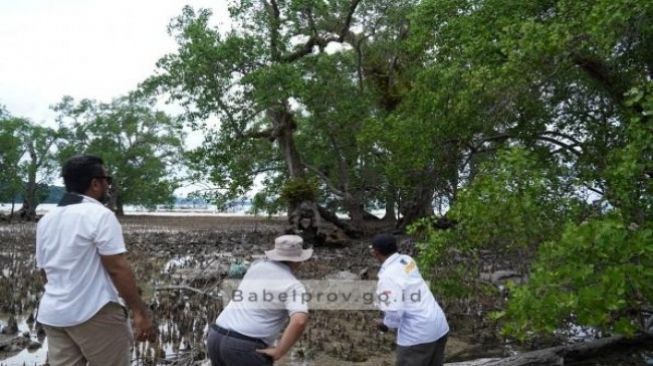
561 355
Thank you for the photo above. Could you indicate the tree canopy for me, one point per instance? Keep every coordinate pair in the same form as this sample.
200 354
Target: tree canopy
142 148
524 122
488 128
569 85
26 161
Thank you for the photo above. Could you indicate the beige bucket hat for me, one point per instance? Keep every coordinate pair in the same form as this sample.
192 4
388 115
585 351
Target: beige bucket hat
289 248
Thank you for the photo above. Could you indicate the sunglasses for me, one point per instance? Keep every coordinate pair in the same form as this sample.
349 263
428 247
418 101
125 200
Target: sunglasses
108 178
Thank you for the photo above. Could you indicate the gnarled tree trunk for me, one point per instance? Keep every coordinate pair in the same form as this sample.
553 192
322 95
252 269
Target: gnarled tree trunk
416 206
28 211
305 218
390 207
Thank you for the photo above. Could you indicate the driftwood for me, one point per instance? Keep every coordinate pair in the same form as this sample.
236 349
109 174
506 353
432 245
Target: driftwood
562 354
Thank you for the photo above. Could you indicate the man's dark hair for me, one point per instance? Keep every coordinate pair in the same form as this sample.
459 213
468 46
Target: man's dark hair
385 244
79 171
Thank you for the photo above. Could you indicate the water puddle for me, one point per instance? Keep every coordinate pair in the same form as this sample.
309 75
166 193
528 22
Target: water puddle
26 356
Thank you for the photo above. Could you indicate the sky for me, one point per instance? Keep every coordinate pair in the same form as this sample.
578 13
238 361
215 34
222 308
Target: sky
95 49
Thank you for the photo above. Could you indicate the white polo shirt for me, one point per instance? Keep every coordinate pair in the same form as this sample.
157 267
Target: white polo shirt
69 242
408 304
268 294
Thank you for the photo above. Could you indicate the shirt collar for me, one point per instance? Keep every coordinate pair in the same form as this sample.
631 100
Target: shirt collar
282 265
389 260
91 199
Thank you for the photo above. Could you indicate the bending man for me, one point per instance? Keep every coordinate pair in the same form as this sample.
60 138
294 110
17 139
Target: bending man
409 307
269 294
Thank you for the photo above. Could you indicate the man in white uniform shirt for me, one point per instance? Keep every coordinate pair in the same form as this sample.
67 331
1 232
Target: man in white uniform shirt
408 306
80 251
268 296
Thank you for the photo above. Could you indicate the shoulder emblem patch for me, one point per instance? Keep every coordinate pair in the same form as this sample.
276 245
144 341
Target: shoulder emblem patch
410 267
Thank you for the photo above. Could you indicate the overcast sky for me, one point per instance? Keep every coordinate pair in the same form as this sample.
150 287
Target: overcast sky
96 49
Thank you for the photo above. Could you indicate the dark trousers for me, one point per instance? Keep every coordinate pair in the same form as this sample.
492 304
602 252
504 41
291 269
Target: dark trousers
229 351
426 354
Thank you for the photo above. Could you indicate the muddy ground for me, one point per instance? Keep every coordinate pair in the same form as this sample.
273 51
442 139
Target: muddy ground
196 252
180 262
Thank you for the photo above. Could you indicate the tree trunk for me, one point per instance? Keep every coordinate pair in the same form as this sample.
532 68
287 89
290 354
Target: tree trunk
120 210
390 205
28 211
286 126
307 222
115 203
350 230
13 207
304 218
355 210
417 206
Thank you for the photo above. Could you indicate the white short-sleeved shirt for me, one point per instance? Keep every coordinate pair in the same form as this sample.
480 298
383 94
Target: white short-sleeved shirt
408 303
69 242
268 294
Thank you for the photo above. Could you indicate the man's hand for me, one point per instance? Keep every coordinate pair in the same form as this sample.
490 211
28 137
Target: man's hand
380 326
294 329
271 352
144 327
123 278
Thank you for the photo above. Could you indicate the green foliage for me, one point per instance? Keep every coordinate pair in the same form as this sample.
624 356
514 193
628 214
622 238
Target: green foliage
11 152
513 204
142 148
298 190
631 173
569 83
599 274
287 105
506 113
26 161
267 199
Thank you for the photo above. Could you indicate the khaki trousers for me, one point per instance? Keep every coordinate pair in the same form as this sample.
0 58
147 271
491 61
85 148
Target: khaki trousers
105 339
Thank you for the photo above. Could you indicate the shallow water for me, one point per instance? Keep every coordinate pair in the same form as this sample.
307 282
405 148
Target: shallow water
26 357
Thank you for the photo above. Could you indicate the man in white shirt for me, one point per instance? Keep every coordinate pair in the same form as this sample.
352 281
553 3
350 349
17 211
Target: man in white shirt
408 306
81 253
269 294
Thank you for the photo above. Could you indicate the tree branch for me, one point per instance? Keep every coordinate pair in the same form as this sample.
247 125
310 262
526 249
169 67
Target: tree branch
348 19
562 135
342 165
268 169
604 76
567 147
268 133
273 10
315 39
306 49
326 180
595 190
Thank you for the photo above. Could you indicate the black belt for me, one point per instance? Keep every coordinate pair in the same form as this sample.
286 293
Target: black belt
234 334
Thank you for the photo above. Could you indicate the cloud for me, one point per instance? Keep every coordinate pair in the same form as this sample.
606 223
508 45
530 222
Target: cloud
84 48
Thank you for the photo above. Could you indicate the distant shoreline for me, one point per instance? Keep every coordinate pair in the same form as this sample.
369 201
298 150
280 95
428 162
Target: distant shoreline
5 208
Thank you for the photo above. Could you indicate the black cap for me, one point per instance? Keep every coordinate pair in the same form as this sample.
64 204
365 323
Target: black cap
385 244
